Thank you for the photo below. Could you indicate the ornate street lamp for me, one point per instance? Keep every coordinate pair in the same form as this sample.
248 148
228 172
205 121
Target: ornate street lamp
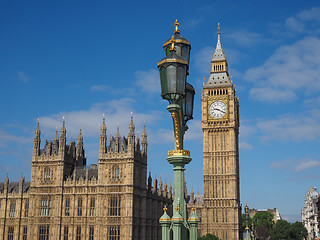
174 69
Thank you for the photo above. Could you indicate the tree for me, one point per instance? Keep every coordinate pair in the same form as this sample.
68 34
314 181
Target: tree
209 236
298 231
263 218
280 230
263 223
285 230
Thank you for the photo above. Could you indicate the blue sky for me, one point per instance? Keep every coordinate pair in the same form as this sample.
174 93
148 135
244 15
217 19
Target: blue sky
80 59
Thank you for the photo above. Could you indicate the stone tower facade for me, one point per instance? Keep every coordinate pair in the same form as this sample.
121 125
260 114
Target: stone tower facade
66 200
221 209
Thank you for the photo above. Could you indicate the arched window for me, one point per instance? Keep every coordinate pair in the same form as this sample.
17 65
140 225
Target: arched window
115 173
47 174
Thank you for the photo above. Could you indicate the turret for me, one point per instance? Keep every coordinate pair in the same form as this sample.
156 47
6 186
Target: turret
62 140
137 148
192 196
131 136
117 141
103 139
79 149
149 181
155 184
144 142
6 184
36 142
21 183
160 190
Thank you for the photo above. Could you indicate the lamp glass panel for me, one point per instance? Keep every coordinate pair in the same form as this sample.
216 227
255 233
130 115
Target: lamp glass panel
178 50
181 85
172 79
163 80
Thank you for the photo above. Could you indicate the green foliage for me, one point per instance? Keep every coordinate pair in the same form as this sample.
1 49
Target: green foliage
209 237
263 219
280 230
285 230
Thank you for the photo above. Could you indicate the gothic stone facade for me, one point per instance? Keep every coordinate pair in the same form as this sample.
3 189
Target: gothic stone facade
67 200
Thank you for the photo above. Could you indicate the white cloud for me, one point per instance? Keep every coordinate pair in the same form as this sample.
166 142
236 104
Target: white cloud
294 128
296 165
195 130
202 60
291 69
244 37
100 88
148 81
23 77
7 138
309 18
117 112
245 145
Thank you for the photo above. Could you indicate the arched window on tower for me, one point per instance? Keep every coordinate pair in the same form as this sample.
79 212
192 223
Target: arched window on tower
47 174
115 173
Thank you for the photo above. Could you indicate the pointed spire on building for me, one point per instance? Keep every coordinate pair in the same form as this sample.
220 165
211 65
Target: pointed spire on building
218 53
6 184
160 190
192 195
103 139
79 148
56 138
131 137
21 181
63 139
165 186
137 148
219 76
170 190
144 141
149 181
117 140
36 141
155 184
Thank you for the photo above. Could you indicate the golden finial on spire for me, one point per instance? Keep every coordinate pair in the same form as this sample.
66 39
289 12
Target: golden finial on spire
218 28
38 120
172 41
165 208
176 24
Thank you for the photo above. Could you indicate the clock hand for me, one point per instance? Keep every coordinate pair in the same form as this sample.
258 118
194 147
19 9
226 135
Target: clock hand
219 110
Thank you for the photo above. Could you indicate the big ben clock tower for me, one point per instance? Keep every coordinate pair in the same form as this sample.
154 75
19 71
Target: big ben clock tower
220 125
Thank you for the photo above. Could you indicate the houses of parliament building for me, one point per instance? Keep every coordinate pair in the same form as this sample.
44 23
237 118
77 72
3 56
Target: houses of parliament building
68 200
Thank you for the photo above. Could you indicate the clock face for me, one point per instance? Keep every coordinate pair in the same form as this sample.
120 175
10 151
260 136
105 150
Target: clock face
218 109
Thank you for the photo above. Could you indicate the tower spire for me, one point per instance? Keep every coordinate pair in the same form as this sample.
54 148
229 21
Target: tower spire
218 53
103 138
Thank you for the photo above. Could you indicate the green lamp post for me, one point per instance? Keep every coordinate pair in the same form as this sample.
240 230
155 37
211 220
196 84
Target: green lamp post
174 69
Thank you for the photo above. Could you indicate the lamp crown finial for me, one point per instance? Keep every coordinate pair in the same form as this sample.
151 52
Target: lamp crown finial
172 41
176 24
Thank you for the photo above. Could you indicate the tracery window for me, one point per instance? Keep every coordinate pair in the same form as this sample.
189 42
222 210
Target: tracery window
67 207
79 207
91 233
26 209
114 206
92 206
44 232
65 233
78 235
12 208
115 173
47 174
114 233
25 233
45 206
10 233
